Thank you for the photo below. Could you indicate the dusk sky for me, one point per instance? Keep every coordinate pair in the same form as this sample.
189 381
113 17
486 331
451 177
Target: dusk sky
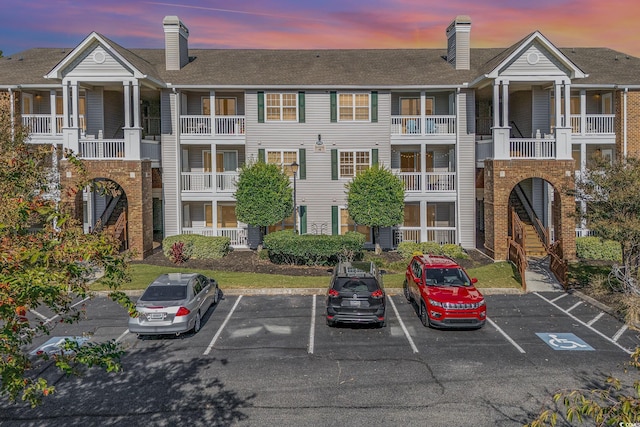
300 24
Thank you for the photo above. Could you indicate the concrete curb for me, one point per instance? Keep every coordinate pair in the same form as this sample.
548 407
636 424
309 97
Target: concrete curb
311 291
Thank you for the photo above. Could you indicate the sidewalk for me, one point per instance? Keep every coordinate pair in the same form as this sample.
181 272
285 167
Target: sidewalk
539 278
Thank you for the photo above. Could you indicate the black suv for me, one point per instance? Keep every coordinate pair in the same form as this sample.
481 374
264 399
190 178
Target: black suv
356 294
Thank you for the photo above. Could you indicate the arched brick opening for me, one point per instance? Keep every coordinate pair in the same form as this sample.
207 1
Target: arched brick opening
500 178
135 179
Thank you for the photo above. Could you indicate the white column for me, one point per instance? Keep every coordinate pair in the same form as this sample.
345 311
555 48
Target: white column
214 167
12 112
65 104
423 220
558 106
423 114
136 104
505 103
127 104
423 167
212 112
583 111
74 105
567 104
496 104
52 107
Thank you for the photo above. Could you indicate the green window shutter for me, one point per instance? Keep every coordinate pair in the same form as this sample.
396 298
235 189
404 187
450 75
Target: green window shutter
334 164
334 107
374 157
261 155
260 107
301 113
302 154
334 220
374 107
302 211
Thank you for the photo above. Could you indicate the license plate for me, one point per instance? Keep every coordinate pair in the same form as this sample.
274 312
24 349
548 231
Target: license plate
155 316
354 303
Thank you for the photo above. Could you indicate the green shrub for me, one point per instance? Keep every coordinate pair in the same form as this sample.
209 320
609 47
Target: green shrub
408 249
198 247
597 249
263 254
285 247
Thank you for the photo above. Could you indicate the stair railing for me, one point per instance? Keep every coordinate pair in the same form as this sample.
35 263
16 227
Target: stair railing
543 234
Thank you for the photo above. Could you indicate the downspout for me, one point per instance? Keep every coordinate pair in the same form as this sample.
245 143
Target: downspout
624 128
179 208
457 166
12 113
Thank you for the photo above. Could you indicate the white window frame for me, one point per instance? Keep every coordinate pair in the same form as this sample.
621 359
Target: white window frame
354 106
282 164
355 163
281 107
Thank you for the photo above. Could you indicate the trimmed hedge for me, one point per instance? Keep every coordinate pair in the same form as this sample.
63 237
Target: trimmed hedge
198 247
407 249
594 248
286 247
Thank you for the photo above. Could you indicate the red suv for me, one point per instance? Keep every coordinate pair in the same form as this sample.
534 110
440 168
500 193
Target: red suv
444 293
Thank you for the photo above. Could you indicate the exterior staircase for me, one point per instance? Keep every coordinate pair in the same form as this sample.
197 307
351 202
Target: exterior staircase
117 223
533 246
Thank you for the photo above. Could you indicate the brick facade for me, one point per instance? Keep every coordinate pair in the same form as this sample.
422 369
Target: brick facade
633 124
501 176
135 178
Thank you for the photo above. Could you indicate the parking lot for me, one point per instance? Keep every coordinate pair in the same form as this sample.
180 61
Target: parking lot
267 360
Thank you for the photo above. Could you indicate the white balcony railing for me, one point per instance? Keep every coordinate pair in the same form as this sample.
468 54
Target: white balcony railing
40 124
203 181
442 235
418 125
594 124
433 181
226 181
102 149
532 148
201 125
407 234
237 235
412 181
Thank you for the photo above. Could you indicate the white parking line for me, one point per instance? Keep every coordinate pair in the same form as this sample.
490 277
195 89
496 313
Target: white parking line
73 306
42 316
406 333
557 298
584 324
312 329
595 319
504 334
215 337
574 306
122 335
618 334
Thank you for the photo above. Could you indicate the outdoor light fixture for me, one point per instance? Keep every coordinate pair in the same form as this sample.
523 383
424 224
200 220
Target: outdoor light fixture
294 169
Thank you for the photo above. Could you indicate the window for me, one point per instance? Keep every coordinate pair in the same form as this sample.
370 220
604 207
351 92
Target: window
353 107
224 106
285 224
282 106
226 216
283 159
347 224
353 162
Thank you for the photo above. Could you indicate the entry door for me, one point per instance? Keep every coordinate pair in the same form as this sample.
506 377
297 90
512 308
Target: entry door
226 161
409 162
225 106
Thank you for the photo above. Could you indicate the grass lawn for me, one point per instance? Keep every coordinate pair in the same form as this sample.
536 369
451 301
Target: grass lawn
497 275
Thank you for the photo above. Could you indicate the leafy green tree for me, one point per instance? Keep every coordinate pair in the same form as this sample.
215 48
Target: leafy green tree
263 194
45 261
610 404
375 198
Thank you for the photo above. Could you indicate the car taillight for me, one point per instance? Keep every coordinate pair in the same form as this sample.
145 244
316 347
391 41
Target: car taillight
182 311
377 294
333 293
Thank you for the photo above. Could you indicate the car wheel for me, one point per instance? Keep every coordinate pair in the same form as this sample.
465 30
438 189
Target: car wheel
216 296
424 316
407 294
330 323
382 324
196 326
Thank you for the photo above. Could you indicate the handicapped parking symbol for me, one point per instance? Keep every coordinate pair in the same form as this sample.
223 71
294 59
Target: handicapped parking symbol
564 341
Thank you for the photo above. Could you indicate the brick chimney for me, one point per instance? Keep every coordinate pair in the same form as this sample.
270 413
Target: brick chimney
176 48
459 42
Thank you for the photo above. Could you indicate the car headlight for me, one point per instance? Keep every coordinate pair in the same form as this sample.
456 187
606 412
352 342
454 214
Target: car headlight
435 303
481 303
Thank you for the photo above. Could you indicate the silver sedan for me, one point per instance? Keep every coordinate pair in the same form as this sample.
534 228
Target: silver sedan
174 303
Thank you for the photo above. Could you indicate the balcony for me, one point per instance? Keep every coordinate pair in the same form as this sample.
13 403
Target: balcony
532 148
199 125
40 124
103 149
412 126
417 182
441 235
237 235
593 124
203 182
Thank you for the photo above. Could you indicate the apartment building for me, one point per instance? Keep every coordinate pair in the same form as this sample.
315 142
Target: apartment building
475 134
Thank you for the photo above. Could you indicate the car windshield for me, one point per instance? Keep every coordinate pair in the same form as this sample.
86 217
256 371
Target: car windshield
356 284
165 293
446 277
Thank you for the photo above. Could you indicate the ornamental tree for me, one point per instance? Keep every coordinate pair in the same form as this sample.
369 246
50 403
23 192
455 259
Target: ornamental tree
375 198
263 194
45 261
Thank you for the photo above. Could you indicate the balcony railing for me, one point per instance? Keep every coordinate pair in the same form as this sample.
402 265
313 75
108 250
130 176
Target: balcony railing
532 148
441 235
418 125
40 124
203 181
102 149
433 181
594 124
201 125
237 235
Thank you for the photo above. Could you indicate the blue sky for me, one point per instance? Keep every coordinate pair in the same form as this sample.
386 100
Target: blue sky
296 24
